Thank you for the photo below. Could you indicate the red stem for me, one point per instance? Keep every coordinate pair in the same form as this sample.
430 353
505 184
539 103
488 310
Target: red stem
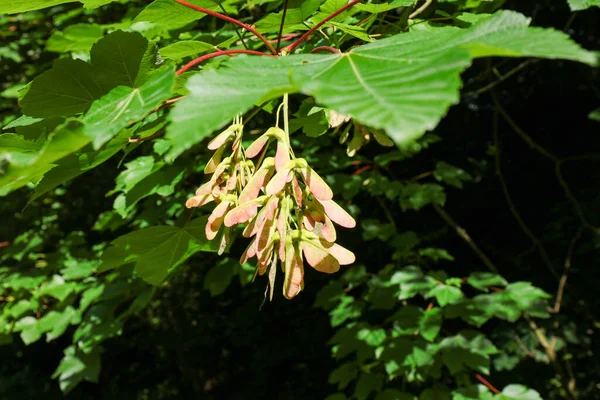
217 54
317 26
284 38
325 48
487 384
228 19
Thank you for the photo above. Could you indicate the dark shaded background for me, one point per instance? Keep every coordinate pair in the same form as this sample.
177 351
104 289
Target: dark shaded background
225 348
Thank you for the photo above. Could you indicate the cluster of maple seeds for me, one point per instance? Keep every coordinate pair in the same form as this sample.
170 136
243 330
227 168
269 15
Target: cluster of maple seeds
287 208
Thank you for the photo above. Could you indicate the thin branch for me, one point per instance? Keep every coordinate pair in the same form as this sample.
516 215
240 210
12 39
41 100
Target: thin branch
237 32
325 48
563 279
4 244
487 384
551 353
513 209
217 54
420 9
555 159
569 194
292 46
285 38
500 80
285 7
154 136
422 175
228 19
465 236
167 104
387 213
521 132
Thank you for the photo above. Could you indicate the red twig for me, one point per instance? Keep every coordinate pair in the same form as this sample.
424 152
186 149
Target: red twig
167 104
217 54
361 170
292 46
487 384
157 134
325 48
285 38
4 244
228 19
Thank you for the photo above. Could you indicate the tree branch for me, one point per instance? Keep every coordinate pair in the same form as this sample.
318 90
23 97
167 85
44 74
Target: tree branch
419 10
513 209
292 46
285 7
217 54
325 48
563 279
465 236
555 159
237 32
228 19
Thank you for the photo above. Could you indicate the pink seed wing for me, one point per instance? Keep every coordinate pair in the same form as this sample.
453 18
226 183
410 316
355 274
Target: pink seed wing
282 230
215 220
225 237
256 224
220 139
277 183
317 185
294 271
255 184
264 259
337 214
198 201
231 181
249 252
256 147
241 214
318 257
297 191
272 206
282 156
205 188
343 255
214 161
327 231
264 237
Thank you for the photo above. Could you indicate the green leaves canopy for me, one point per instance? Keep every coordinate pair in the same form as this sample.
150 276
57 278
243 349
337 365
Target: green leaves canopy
18 6
403 84
577 5
158 250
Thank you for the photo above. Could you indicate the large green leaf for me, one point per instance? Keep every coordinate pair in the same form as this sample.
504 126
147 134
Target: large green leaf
31 166
118 58
185 48
78 37
297 12
583 4
403 84
158 250
17 6
77 366
167 14
68 88
123 105
76 164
